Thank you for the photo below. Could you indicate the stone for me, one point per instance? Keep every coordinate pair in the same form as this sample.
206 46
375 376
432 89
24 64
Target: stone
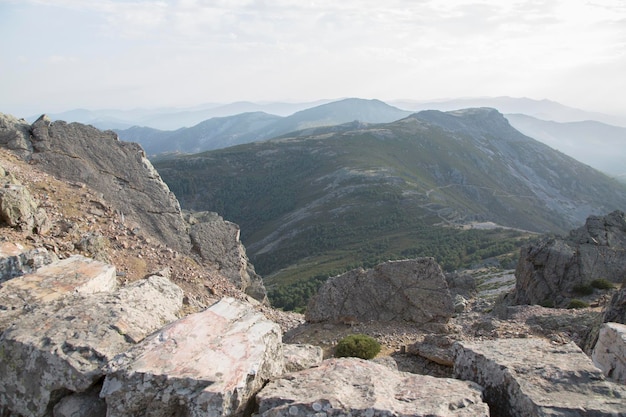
616 309
352 386
548 272
19 210
63 347
609 354
16 260
83 404
15 134
209 363
412 290
534 377
301 356
217 240
74 275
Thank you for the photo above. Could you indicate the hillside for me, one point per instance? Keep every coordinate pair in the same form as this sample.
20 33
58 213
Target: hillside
315 203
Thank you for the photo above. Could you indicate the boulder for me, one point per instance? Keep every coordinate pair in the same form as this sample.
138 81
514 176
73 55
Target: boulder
412 290
62 347
15 134
609 354
82 404
16 260
352 386
301 356
210 363
616 309
548 272
71 276
533 377
217 241
18 209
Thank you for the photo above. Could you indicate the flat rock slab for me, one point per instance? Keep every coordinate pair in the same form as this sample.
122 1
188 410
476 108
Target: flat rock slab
206 364
412 290
351 386
301 356
609 354
533 377
74 275
63 347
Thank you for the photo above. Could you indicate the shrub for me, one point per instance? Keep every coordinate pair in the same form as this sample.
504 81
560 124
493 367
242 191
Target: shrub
357 345
575 303
583 289
547 303
602 284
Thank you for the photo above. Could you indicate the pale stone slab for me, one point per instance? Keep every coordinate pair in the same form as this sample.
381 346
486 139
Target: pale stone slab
74 275
609 354
206 364
302 356
355 387
63 347
535 378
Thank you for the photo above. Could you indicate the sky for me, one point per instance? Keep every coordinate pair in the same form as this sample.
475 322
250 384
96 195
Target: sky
59 55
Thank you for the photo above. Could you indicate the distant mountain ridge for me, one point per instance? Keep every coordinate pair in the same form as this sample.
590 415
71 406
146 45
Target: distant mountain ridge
359 190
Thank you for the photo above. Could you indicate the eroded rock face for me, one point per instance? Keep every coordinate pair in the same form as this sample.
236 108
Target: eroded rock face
217 240
18 208
119 170
411 290
16 260
547 272
533 377
206 364
352 386
609 354
63 347
15 134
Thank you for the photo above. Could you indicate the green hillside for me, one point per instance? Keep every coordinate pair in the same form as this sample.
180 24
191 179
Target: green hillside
318 202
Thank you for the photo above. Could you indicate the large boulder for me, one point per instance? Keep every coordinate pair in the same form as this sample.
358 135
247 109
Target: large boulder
16 260
217 241
550 271
609 354
18 208
412 290
209 363
15 134
536 378
351 386
64 346
61 279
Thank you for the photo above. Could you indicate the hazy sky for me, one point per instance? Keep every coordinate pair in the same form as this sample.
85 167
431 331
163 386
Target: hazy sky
65 54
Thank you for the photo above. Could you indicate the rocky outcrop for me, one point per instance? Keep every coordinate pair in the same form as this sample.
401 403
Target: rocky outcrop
411 290
533 378
61 279
616 309
217 241
553 271
352 386
609 354
16 260
208 363
18 209
127 180
62 347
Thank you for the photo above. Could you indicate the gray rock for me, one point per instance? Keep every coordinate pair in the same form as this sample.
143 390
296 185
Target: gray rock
19 209
209 363
616 309
300 356
533 377
16 260
61 279
351 386
547 272
83 404
15 134
119 170
609 354
217 240
412 290
63 347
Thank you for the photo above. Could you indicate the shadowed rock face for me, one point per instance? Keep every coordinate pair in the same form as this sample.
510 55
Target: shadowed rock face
412 290
550 269
609 354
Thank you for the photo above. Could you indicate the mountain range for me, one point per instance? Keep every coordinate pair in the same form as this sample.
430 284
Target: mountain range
324 199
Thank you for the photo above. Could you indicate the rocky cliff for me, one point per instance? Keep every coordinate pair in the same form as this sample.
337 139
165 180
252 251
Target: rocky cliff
123 176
